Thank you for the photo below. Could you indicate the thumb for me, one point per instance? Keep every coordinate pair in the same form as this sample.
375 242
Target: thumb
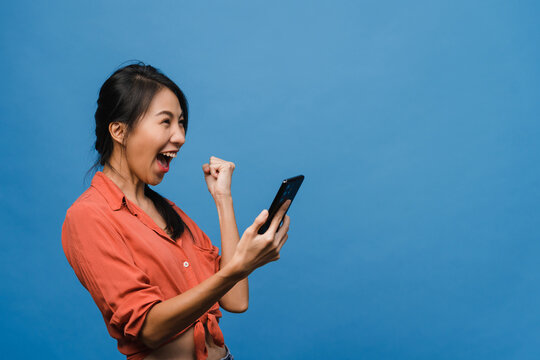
206 168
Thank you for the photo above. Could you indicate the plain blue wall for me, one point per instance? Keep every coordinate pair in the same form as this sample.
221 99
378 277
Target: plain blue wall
416 124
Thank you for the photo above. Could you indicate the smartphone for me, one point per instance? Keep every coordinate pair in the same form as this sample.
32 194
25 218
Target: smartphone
287 190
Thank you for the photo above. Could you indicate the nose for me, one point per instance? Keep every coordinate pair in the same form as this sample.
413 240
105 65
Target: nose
178 137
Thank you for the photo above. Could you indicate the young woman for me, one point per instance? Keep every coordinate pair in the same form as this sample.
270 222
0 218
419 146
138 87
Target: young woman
156 277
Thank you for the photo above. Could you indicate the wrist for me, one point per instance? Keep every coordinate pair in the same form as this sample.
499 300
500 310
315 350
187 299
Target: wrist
223 199
233 271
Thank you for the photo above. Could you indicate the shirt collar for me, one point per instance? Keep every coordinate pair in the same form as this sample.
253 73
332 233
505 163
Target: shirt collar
110 191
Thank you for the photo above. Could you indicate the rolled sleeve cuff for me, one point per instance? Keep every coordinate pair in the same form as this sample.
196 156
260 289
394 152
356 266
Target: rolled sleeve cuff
129 318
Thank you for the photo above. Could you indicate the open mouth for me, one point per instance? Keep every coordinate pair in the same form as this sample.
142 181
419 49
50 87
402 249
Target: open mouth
164 159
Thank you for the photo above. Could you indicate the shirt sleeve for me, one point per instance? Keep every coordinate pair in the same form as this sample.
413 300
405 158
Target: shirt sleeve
105 267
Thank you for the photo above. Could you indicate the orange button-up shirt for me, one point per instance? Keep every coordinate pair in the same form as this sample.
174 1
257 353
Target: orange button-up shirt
128 264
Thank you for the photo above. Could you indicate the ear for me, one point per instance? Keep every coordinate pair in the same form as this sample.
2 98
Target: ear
117 131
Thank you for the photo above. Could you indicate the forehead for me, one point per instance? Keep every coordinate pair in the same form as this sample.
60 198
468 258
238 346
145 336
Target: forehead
165 100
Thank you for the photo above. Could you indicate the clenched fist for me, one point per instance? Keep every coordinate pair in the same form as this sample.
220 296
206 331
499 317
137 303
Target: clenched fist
218 175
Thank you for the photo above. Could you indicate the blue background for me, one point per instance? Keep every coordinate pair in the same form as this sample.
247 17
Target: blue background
416 123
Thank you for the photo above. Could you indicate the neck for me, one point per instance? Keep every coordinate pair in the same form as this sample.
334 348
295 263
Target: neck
129 183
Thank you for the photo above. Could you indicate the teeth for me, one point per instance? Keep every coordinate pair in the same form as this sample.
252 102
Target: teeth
169 154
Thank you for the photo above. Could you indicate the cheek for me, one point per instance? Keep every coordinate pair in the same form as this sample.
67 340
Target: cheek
142 149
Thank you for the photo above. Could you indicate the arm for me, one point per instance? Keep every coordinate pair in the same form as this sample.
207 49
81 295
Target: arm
237 299
218 174
165 319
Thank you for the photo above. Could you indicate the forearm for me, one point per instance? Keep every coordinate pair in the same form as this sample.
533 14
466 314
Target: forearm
237 299
171 316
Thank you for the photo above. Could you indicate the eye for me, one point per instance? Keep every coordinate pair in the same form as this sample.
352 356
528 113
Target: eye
166 121
182 122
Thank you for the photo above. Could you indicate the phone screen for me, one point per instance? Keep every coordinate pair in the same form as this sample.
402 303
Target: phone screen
287 191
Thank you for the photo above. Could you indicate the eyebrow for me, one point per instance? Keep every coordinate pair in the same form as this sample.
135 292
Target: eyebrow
167 112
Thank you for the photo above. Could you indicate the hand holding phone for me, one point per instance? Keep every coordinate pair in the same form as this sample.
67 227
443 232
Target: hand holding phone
262 241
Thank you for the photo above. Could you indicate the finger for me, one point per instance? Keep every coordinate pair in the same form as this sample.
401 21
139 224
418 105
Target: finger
278 216
214 159
206 168
214 171
283 229
223 165
259 220
282 242
217 161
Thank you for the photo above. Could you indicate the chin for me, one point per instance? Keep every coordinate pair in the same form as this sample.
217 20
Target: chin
155 180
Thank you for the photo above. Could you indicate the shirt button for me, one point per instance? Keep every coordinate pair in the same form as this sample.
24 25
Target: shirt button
186 264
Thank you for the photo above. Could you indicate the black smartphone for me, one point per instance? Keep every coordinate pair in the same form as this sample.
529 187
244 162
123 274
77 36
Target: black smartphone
287 190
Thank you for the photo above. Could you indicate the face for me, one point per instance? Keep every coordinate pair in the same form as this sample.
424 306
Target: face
160 132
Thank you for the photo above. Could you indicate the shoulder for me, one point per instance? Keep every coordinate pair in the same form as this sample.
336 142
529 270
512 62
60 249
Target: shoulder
89 202
90 209
89 224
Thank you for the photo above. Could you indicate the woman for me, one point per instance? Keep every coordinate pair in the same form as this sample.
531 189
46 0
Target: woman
156 277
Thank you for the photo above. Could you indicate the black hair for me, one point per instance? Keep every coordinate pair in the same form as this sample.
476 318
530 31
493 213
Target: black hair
125 97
